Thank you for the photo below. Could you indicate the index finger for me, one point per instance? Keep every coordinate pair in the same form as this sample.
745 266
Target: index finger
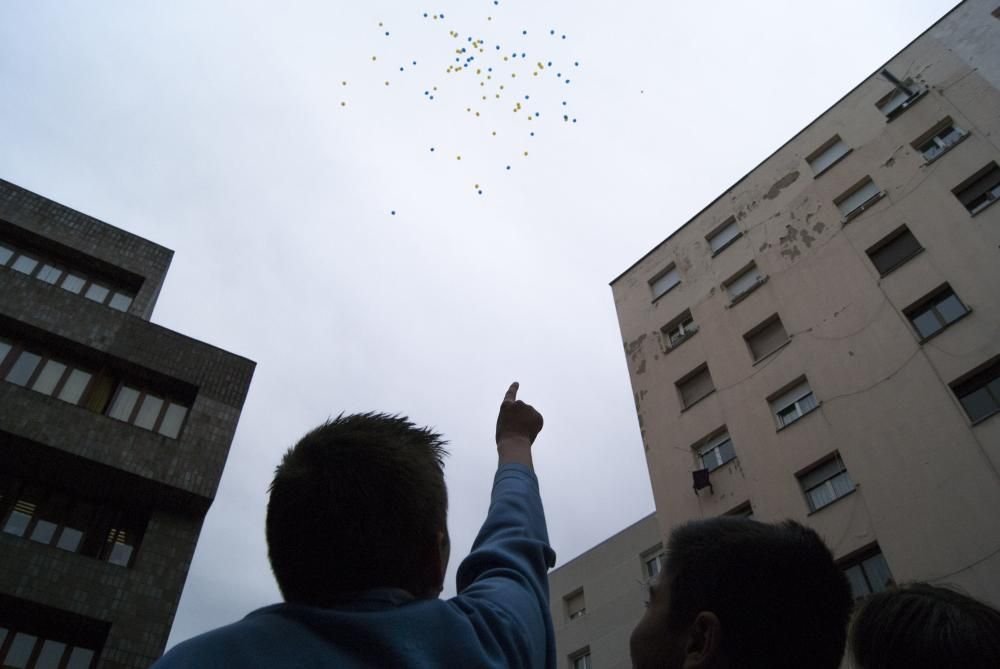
511 393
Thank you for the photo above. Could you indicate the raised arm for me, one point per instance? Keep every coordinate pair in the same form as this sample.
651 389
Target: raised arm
517 426
503 584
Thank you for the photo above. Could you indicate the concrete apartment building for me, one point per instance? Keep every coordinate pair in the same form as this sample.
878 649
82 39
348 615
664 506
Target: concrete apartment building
822 342
597 598
113 436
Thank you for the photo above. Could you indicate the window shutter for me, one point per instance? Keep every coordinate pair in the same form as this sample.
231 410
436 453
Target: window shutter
828 156
892 254
665 282
785 399
767 339
744 282
723 236
858 197
696 387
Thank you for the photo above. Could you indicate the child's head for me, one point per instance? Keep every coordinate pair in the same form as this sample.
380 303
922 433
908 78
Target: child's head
921 625
738 593
359 503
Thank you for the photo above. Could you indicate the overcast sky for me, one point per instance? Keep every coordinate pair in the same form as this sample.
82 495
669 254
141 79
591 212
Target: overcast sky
268 150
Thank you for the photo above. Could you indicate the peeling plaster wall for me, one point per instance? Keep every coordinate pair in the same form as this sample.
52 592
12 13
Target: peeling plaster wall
928 481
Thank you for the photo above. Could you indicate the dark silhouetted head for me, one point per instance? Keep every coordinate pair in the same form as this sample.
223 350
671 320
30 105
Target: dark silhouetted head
359 503
920 625
740 593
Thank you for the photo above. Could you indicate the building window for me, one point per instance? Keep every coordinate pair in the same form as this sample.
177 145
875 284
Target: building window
979 394
580 659
652 561
868 573
695 386
793 404
664 282
933 314
716 451
980 190
858 198
576 605
678 331
826 483
54 273
939 140
744 510
37 370
828 155
40 637
38 513
898 247
900 98
766 338
744 282
724 235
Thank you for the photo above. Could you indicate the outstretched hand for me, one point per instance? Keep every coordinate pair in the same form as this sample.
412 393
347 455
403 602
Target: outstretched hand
517 426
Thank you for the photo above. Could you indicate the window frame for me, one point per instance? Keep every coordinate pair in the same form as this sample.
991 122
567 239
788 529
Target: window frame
713 444
730 222
742 510
143 394
972 380
889 240
928 304
573 614
824 147
761 327
42 260
684 324
703 367
656 555
800 413
835 457
858 559
904 104
95 521
671 268
857 210
90 395
932 137
742 295
991 193
582 654
14 354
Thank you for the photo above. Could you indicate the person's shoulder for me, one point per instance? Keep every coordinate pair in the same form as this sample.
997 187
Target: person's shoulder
209 648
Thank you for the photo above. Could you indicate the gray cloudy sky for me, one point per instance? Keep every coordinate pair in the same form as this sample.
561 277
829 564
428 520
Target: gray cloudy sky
223 130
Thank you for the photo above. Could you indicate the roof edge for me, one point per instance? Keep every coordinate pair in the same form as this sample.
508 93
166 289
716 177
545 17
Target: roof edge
789 141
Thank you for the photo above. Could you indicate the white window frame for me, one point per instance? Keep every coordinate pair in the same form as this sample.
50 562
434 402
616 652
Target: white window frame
858 198
794 397
714 445
826 483
656 284
678 331
935 146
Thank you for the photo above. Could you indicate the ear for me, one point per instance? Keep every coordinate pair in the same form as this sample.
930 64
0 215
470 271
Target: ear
704 642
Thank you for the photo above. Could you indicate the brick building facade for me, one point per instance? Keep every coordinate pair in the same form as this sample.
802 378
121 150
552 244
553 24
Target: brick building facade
114 433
